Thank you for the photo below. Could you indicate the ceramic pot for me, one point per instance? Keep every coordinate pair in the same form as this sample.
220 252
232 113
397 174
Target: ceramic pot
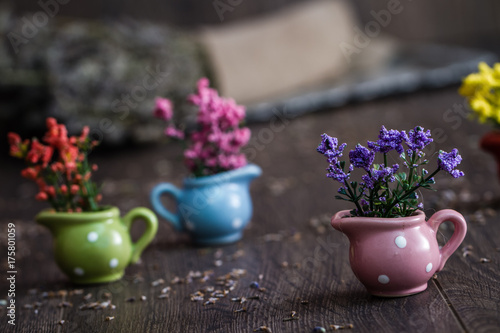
490 142
397 256
213 209
96 247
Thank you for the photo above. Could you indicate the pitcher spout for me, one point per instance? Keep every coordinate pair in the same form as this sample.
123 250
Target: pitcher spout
44 218
251 171
338 219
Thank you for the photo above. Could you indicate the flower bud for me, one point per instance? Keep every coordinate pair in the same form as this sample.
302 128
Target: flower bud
41 196
74 189
51 191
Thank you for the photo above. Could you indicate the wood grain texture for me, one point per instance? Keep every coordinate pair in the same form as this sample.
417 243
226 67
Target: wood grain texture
316 282
472 286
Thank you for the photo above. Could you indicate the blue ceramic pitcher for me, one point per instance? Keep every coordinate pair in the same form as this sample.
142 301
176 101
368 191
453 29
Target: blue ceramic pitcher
213 209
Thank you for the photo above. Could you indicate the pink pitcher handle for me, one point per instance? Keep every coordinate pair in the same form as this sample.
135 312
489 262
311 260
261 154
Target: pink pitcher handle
458 235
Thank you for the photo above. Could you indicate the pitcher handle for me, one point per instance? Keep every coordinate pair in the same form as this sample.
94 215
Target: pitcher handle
156 194
458 235
148 235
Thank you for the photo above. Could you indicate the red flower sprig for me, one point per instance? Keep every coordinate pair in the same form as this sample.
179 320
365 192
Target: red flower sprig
60 168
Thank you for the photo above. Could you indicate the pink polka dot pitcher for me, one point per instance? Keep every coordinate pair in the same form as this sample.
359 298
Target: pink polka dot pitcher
397 256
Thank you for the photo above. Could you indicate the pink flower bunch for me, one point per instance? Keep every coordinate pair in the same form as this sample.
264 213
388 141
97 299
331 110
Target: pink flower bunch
59 167
216 143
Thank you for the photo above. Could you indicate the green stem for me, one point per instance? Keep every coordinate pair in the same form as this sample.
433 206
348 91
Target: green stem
410 175
386 193
372 197
354 198
410 191
372 192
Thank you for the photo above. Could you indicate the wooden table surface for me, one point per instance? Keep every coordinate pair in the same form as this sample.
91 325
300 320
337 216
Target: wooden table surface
289 247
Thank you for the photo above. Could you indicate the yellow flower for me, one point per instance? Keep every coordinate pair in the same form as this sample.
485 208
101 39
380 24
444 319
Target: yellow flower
491 76
470 84
482 108
482 90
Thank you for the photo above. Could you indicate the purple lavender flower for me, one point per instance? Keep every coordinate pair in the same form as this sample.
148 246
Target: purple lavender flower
388 140
362 157
329 147
364 203
335 172
375 195
382 174
417 139
449 161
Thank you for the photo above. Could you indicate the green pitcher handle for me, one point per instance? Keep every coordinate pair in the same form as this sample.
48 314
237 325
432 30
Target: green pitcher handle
148 235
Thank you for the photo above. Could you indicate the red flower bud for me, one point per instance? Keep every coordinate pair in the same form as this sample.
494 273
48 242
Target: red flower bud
74 189
14 138
57 167
15 151
39 152
41 196
51 122
47 155
41 183
51 191
29 173
85 133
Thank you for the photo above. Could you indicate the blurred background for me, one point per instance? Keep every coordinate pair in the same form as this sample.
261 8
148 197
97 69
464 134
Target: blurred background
103 62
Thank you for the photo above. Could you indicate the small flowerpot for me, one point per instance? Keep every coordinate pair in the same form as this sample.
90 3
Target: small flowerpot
96 247
397 256
213 209
490 142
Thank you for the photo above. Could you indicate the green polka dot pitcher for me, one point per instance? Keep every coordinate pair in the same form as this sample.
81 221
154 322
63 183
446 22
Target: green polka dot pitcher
96 247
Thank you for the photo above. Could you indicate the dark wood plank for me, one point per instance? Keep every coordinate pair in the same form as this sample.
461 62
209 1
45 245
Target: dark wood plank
472 286
292 191
325 281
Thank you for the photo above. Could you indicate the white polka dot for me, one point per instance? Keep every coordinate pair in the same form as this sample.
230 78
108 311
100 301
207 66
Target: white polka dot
400 242
235 201
428 267
384 279
237 223
113 263
117 239
79 271
92 236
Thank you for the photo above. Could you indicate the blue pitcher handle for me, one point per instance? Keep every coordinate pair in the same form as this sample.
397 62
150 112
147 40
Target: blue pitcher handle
176 193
